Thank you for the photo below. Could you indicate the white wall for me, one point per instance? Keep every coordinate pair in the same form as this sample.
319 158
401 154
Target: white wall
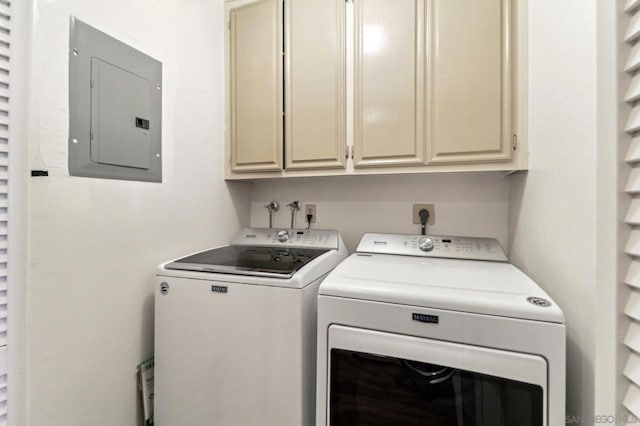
93 243
553 207
17 211
469 204
612 207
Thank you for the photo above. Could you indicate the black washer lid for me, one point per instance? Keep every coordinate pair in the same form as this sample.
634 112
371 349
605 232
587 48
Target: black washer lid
276 262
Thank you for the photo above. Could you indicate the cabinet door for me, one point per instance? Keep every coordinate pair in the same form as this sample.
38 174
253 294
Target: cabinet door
256 86
389 82
315 84
470 81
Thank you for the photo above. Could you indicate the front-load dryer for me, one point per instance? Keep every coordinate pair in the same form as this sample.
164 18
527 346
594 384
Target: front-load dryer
416 330
235 330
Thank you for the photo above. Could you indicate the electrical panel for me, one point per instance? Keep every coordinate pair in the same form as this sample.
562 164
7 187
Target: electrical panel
115 108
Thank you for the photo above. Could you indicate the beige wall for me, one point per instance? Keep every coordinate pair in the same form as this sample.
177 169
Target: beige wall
93 243
471 204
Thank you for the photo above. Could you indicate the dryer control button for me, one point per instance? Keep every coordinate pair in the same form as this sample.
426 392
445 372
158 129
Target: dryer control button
425 244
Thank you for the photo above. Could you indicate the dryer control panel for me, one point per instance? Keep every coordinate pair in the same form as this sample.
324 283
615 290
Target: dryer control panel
470 248
311 238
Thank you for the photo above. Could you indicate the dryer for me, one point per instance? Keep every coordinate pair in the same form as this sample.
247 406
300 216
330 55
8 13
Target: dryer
235 330
418 330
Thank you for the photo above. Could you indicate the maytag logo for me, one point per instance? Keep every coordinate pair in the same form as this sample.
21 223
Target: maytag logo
430 319
384 243
218 289
250 236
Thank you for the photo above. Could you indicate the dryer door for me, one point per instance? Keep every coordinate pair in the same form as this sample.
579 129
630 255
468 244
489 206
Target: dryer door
389 379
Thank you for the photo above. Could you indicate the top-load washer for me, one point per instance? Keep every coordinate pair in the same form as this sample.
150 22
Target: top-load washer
235 331
417 330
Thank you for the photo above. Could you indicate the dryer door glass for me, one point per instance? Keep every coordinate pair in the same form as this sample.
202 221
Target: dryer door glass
368 389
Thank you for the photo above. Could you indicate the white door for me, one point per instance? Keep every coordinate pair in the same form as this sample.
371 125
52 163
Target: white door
15 29
378 378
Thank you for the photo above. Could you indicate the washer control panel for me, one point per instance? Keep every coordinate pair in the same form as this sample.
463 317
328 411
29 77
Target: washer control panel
470 248
312 238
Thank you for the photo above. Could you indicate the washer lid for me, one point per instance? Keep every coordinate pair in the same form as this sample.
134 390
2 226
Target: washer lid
490 288
272 262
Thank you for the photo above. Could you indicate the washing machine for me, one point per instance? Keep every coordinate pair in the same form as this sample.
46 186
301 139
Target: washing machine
425 330
235 330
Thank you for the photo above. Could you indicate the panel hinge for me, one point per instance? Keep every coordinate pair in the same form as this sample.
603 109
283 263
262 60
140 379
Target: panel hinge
514 142
92 83
91 136
348 152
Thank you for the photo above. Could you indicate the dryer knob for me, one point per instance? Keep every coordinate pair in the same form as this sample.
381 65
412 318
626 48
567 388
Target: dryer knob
283 236
425 244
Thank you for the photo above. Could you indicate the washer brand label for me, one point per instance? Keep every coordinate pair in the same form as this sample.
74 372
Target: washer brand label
218 289
430 319
380 243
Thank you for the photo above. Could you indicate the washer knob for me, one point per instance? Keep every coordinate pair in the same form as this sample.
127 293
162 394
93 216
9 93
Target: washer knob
283 236
425 244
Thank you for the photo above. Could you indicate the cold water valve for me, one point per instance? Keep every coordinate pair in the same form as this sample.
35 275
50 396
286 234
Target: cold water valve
272 207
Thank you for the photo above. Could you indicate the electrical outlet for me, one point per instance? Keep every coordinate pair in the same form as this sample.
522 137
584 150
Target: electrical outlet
310 209
431 208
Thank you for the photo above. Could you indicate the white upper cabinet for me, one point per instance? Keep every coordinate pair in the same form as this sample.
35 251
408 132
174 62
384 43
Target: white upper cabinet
255 57
327 87
469 84
389 75
432 75
315 118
